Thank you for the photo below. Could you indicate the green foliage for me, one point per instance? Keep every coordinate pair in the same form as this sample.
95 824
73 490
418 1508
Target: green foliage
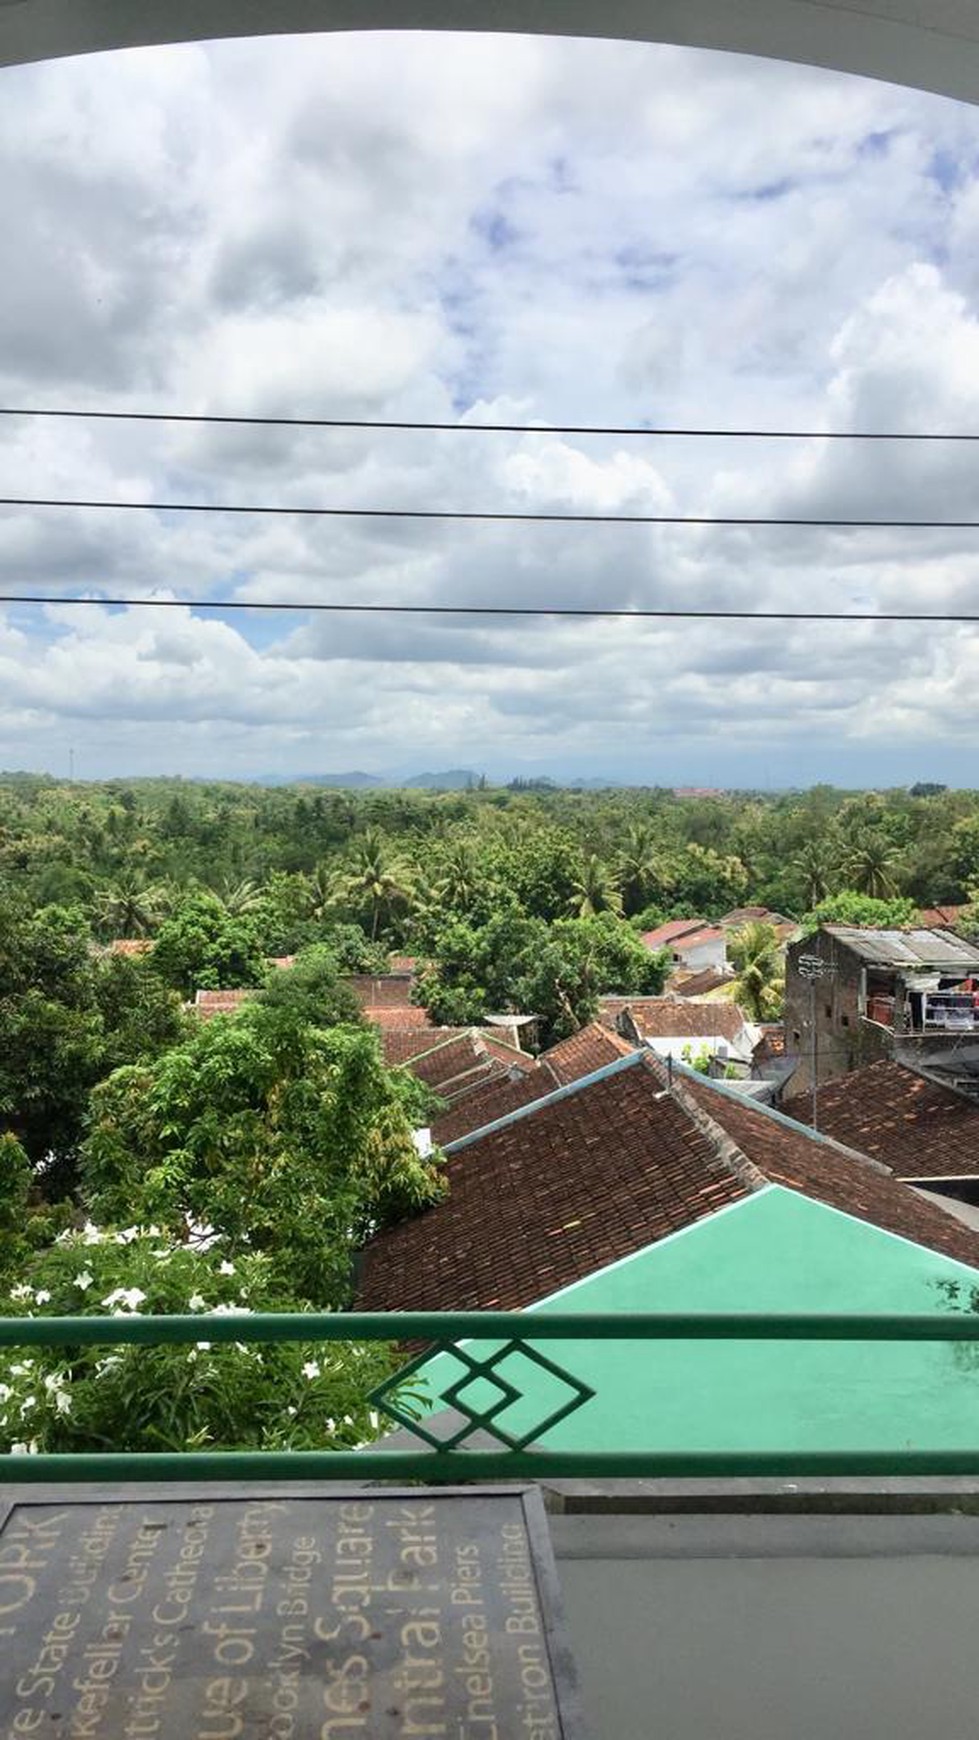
557 972
311 991
758 986
580 959
708 881
849 907
140 1015
15 1187
205 1396
287 1139
699 1059
202 946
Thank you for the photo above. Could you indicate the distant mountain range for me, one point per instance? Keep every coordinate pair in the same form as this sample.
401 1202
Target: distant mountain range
452 779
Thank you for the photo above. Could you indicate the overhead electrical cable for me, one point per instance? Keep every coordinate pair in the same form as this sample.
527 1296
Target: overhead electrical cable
422 427
490 515
498 610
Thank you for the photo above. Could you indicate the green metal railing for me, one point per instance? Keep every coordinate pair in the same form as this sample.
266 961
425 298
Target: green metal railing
443 1458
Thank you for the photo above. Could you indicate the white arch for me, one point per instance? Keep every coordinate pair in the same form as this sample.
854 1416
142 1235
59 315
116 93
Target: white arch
931 44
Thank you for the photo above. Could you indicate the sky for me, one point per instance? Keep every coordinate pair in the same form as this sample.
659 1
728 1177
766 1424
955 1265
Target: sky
486 230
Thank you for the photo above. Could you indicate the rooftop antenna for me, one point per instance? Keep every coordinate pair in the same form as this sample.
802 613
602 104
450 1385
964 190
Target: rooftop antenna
813 968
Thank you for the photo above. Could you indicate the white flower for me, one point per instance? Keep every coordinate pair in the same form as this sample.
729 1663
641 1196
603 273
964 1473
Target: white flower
192 1356
126 1236
22 1368
62 1402
53 1382
331 1425
5 1392
108 1364
226 1268
204 1346
311 1370
27 1404
126 1297
84 1280
291 1411
91 1234
43 1297
153 1232
229 1311
162 1255
24 1449
197 1302
22 1291
374 1418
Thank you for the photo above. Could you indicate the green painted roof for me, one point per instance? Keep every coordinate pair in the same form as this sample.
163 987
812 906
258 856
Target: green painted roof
777 1251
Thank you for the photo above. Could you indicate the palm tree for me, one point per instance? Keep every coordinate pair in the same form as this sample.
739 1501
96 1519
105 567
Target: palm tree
595 890
640 869
758 984
873 866
817 867
323 892
130 906
240 897
460 876
376 879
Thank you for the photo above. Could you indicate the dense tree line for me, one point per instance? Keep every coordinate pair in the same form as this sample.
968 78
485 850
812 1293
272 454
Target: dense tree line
149 1162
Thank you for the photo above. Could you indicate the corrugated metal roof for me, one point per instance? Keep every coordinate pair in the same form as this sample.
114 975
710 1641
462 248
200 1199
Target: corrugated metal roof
907 948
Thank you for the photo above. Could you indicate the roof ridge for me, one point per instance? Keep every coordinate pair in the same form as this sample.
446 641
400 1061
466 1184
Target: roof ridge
723 1144
560 1093
785 1122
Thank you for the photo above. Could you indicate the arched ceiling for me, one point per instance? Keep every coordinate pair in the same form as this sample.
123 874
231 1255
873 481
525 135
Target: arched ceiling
931 44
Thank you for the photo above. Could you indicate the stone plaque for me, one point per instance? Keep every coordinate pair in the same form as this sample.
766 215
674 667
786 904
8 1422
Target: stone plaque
363 1615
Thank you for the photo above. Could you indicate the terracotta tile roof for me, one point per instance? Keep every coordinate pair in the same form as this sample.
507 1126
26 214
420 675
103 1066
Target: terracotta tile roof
456 1066
381 990
400 1044
591 1048
824 1171
131 945
915 1126
698 984
584 1052
772 1044
667 933
686 1018
489 1101
283 962
937 917
209 1003
693 939
564 1188
402 964
409 1015
550 1198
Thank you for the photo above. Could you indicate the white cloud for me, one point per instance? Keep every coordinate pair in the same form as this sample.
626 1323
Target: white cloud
503 230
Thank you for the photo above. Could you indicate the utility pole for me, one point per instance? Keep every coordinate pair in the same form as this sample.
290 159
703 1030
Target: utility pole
812 968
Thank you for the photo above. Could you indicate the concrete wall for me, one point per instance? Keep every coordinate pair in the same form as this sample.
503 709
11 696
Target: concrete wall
845 1039
714 1628
933 46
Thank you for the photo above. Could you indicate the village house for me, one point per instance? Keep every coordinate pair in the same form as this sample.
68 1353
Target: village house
693 945
628 1191
687 1027
906 994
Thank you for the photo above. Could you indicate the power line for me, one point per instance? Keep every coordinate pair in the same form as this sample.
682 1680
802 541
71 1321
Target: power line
371 513
508 610
424 427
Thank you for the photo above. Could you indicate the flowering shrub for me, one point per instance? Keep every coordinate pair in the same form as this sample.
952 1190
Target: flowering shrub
296 1395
